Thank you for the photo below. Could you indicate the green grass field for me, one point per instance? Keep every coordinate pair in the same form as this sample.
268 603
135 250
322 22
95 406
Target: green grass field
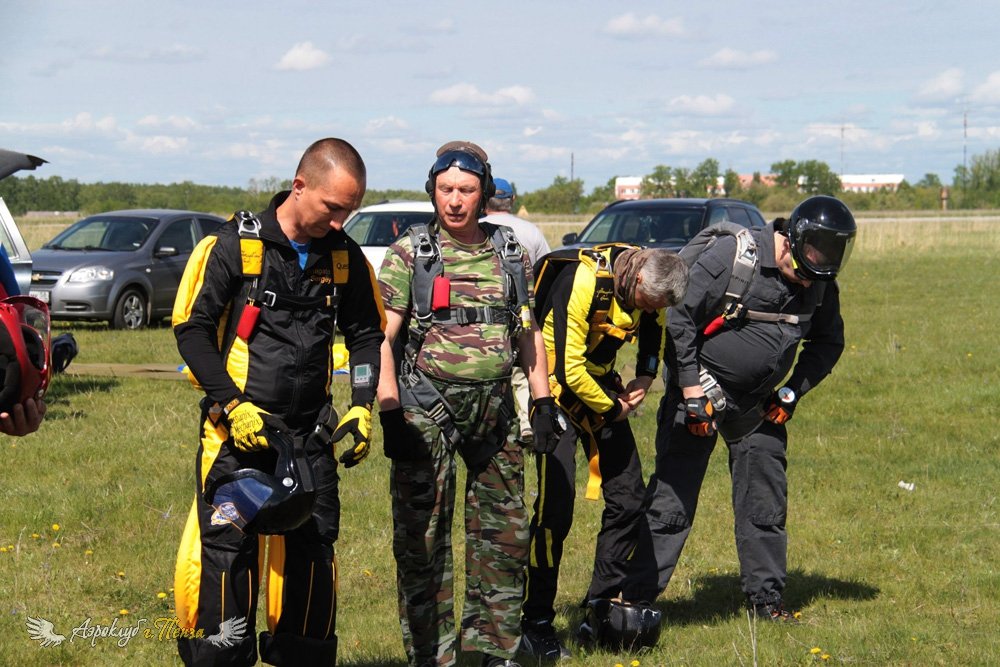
93 504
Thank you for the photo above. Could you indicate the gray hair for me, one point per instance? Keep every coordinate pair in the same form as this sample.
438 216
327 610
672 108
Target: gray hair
506 204
664 277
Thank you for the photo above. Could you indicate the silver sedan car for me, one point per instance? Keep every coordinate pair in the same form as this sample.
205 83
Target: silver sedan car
120 266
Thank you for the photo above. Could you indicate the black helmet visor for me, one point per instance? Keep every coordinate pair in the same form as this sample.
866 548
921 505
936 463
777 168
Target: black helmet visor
821 252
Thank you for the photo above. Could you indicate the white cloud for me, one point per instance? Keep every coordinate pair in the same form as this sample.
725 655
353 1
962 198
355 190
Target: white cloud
468 94
303 56
531 131
702 105
630 25
728 58
84 122
539 153
376 125
943 87
397 146
989 91
175 122
162 145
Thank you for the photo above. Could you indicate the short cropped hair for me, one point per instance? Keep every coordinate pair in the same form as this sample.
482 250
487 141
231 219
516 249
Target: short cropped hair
506 204
326 154
664 277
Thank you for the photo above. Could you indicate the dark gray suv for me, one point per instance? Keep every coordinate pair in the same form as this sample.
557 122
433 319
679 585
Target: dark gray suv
120 266
662 223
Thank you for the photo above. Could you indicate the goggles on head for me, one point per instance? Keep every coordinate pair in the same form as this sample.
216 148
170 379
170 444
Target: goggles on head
462 159
24 350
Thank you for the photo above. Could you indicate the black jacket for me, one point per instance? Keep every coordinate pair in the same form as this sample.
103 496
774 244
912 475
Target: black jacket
751 359
285 365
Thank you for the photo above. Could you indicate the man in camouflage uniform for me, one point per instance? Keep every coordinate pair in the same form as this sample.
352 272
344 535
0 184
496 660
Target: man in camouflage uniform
461 354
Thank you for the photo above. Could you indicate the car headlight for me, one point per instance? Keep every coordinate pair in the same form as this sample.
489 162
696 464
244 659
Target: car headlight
91 274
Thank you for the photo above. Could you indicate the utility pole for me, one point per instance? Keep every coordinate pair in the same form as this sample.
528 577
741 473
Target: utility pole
842 150
965 141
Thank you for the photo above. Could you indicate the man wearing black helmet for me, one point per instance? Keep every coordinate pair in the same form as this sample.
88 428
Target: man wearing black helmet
457 303
792 298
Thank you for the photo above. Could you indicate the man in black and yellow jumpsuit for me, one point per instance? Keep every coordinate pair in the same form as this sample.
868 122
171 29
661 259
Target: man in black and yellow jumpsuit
581 356
278 364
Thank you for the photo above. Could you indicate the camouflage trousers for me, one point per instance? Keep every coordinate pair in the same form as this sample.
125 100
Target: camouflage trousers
496 541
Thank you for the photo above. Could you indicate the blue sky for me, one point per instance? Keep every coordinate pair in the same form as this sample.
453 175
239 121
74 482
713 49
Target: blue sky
219 92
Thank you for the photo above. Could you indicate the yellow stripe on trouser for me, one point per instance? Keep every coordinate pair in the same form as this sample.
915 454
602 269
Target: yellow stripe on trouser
275 579
581 418
187 575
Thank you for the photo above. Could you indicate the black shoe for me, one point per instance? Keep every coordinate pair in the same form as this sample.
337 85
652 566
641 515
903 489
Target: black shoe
497 661
775 612
538 639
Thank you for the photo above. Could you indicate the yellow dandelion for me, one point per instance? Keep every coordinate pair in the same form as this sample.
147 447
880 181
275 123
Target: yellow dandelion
825 656
123 612
618 664
55 527
10 547
171 589
713 570
367 573
969 355
3 550
35 536
797 615
88 552
161 595
120 574
56 545
635 663
815 649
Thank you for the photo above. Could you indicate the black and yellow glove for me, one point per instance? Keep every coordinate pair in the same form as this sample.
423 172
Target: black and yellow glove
246 426
357 422
698 416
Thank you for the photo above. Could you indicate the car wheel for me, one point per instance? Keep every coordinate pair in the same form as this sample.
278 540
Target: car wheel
130 311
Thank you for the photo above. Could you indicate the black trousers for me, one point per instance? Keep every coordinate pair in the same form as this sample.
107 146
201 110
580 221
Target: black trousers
757 466
622 486
218 573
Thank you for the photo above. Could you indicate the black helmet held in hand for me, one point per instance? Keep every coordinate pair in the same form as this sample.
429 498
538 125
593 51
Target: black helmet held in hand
267 503
821 233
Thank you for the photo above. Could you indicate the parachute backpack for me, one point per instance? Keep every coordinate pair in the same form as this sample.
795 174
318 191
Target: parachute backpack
551 267
745 262
24 350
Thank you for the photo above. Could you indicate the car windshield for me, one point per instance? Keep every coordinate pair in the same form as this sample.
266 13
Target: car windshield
383 227
643 226
97 233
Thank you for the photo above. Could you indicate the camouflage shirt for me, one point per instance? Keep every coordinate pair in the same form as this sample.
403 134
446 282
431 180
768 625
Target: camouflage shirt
468 352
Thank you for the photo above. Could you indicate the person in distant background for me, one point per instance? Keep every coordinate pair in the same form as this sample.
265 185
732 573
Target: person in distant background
498 211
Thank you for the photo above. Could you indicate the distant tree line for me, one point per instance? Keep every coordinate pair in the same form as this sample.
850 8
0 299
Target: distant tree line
975 186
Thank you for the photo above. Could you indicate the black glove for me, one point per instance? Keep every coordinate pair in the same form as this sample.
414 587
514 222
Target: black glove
779 407
548 424
698 416
398 440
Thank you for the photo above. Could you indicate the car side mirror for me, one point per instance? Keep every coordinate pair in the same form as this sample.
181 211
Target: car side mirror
165 251
567 239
